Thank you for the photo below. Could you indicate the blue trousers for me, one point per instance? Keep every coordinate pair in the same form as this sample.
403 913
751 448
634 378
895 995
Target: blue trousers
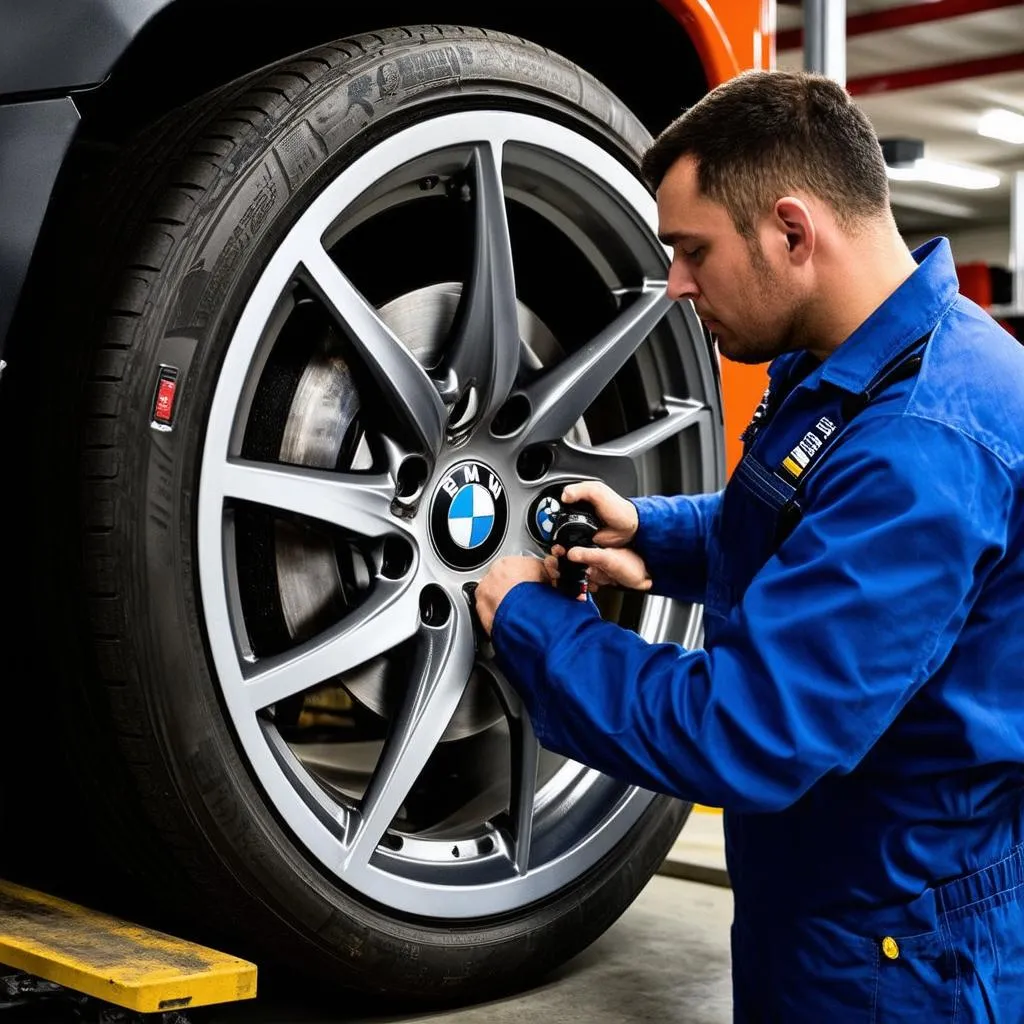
953 956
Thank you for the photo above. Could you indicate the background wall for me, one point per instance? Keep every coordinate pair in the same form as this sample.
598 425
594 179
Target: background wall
989 244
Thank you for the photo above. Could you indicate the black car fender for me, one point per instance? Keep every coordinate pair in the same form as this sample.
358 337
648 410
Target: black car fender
49 49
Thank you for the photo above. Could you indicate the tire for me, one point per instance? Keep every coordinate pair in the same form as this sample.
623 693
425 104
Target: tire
290 732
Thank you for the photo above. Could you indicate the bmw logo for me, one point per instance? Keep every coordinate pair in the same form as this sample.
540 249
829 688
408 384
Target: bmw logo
469 515
542 518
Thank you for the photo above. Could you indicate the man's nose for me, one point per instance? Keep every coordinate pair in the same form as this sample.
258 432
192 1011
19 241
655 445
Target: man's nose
681 283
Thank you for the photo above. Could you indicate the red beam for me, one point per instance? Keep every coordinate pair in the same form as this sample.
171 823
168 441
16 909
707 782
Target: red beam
936 75
899 17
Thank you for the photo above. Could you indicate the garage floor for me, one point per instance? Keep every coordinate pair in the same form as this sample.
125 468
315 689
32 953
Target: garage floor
666 959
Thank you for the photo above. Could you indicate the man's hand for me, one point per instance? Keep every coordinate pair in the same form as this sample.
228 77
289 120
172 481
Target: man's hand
618 516
500 579
608 567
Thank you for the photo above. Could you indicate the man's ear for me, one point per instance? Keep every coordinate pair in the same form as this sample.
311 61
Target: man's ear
794 221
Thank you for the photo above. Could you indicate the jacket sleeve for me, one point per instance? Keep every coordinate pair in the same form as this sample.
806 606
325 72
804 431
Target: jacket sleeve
672 540
839 629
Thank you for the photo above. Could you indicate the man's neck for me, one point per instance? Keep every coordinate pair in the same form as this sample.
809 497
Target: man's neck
854 283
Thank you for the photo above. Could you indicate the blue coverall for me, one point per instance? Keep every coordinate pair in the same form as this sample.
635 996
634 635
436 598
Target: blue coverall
858 705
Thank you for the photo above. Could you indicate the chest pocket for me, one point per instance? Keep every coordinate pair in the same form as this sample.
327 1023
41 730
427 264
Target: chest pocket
754 515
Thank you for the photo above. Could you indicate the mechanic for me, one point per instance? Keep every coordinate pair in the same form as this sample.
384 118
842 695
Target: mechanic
857 708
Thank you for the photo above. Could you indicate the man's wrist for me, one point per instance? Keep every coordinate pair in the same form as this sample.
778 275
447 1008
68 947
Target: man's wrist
636 520
504 606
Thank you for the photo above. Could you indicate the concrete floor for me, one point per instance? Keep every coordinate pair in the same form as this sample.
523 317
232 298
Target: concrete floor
665 959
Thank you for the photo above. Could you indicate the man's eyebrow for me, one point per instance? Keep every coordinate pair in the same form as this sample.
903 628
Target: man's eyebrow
675 237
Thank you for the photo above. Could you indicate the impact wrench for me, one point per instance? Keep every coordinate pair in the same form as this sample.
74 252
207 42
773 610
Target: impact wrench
573 526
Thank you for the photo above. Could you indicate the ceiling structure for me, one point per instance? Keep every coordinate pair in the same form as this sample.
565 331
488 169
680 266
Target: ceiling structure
930 69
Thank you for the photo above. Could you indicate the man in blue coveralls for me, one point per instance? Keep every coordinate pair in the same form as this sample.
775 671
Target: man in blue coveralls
858 706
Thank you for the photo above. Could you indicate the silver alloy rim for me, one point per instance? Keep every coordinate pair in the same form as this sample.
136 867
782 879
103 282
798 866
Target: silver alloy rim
557 829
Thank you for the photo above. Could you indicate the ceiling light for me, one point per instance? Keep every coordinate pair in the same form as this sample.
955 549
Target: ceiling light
1004 125
932 204
936 172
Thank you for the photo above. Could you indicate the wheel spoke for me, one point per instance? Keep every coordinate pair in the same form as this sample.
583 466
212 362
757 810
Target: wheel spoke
389 615
574 462
360 503
405 384
614 462
444 662
525 757
562 396
485 350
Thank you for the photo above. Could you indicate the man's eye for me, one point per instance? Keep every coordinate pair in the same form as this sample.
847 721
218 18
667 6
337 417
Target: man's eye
694 254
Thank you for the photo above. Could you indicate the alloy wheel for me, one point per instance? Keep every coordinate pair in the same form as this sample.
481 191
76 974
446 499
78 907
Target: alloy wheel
381 430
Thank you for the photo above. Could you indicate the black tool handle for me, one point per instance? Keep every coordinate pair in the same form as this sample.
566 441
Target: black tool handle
574 527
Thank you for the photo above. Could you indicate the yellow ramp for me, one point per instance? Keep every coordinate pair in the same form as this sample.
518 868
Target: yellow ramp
118 962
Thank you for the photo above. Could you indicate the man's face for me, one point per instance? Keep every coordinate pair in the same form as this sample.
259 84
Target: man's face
743 291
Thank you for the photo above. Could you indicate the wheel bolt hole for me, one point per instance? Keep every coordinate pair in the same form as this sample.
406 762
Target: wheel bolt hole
534 463
485 845
396 559
512 416
434 606
412 475
392 842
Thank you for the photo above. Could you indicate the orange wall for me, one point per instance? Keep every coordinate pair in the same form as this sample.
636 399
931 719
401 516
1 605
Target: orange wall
732 36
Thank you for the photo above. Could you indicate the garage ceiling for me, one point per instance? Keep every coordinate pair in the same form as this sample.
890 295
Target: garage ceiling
929 70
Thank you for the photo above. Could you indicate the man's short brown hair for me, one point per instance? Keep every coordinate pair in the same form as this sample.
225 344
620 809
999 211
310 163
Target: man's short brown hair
766 134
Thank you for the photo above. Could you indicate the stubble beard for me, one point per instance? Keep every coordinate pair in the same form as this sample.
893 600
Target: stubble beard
764 342
767 337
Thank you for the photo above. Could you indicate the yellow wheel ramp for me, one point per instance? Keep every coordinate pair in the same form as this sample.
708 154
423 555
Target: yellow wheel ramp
120 963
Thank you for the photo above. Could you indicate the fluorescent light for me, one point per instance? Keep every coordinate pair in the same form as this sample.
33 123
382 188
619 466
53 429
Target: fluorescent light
936 172
932 204
1004 125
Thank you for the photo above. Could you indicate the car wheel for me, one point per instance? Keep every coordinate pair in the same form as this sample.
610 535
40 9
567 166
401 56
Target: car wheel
372 308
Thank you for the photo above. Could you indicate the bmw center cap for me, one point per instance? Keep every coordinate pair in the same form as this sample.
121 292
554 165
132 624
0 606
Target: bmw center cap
469 515
542 521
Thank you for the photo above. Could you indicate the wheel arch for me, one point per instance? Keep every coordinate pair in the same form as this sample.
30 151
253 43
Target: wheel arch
663 57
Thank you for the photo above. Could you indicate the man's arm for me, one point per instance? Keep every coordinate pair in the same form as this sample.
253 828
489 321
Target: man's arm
672 541
839 629
669 534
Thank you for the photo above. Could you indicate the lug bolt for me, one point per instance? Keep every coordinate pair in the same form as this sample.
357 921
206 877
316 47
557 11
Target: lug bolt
512 416
396 558
412 475
533 464
434 606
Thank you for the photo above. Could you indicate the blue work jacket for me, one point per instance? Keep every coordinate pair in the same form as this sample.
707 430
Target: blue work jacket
858 705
